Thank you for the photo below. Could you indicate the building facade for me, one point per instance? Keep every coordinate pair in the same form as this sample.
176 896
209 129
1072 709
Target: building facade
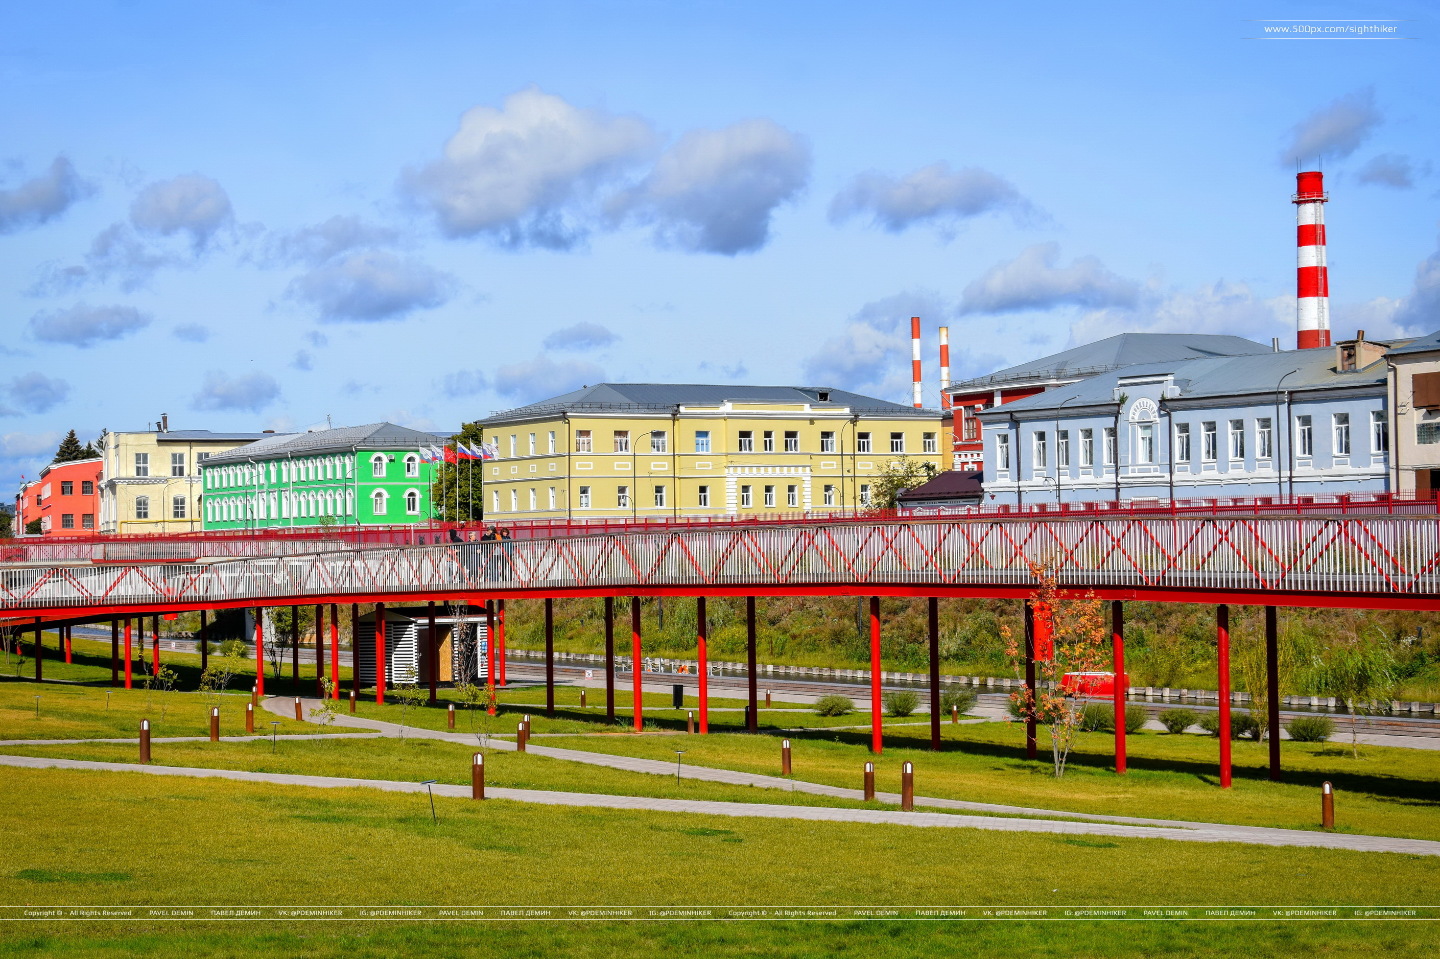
151 480
373 475
1275 424
671 450
1414 393
65 499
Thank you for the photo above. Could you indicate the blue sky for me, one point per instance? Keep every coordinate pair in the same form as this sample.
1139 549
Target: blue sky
261 216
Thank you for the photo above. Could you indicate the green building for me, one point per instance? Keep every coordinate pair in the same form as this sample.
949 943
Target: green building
375 475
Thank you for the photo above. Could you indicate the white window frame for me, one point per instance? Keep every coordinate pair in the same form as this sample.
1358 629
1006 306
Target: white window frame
1039 454
550 442
829 494
1304 435
1145 444
769 495
142 464
746 496
550 497
1087 447
379 503
1209 441
412 465
177 507
378 463
792 496
177 461
1236 431
792 441
928 443
1110 441
767 441
827 441
142 507
584 441
622 497
412 502
532 500
864 494
621 441
862 442
897 443
1379 432
702 441
659 495
1340 432
532 446
584 497
659 441
745 441
1002 452
702 496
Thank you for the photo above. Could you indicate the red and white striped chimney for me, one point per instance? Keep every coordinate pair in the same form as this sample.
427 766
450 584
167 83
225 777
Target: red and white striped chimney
918 396
1312 277
944 367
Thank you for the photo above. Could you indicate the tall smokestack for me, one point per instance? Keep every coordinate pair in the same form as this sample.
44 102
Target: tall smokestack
944 367
918 396
1312 277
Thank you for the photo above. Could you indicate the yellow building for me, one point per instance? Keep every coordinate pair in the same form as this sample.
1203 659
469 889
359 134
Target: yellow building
647 450
151 481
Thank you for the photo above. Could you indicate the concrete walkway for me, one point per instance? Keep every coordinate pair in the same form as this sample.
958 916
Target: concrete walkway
1204 833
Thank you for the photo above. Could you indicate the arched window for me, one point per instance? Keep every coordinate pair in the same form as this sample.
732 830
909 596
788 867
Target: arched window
412 501
377 466
377 502
329 504
412 465
209 512
349 467
349 502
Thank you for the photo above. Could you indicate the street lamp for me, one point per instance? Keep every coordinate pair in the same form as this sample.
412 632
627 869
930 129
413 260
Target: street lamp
1289 436
1057 444
635 474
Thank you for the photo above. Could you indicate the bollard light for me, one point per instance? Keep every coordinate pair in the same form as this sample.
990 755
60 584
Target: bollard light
249 717
907 787
520 738
954 714
869 781
214 724
1327 806
767 699
352 702
690 722
582 699
450 716
477 776
298 716
785 757
144 740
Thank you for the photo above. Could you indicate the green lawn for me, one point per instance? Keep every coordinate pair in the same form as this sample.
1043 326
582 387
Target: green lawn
79 712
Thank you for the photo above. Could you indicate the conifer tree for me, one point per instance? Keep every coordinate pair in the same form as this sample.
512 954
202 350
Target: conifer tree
71 450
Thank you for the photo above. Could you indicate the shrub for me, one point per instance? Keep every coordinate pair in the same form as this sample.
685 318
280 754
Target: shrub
834 705
1012 706
1241 725
1210 722
1310 729
901 702
1099 717
956 698
1177 720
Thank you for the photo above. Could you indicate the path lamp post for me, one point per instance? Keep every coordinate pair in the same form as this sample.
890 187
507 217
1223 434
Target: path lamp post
428 784
1289 436
1058 464
635 472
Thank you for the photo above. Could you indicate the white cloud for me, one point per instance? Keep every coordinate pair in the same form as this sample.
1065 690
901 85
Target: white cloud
316 244
25 454
370 286
191 204
250 392
871 354
714 191
542 377
581 336
934 193
1335 131
516 174
1419 311
42 198
191 333
33 393
302 361
1220 308
465 383
85 326
1035 281
1388 169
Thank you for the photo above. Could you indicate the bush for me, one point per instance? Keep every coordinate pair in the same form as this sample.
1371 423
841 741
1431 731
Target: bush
1097 717
1241 725
901 702
955 698
1310 729
1177 720
1012 706
834 705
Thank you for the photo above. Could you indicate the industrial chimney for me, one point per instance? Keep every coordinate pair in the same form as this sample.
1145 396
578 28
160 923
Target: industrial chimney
917 397
944 367
1312 277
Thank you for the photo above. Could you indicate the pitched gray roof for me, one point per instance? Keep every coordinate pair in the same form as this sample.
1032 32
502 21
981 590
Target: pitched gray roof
204 436
372 436
1424 343
1113 352
641 397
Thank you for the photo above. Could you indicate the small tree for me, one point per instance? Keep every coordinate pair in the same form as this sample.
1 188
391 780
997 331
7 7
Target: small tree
895 478
163 680
70 449
1078 634
1361 670
324 714
410 696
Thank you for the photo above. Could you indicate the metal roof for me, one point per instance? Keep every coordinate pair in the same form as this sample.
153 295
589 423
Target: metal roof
1123 349
1424 343
203 436
372 436
641 397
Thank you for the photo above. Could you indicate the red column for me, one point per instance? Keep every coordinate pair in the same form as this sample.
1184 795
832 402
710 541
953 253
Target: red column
204 643
702 636
1117 645
355 649
434 650
1272 686
295 644
68 658
259 652
1030 744
39 651
334 652
155 645
319 650
752 722
1222 644
635 671
500 639
934 637
114 652
876 741
490 642
610 659
129 655
380 665
549 657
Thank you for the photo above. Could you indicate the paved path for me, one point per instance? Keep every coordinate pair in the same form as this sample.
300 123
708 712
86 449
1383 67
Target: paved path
1205 833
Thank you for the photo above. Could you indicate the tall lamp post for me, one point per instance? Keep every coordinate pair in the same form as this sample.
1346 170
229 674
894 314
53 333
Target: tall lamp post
1058 464
1289 436
635 475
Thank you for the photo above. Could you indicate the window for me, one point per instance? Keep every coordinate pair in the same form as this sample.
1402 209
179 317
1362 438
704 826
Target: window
514 501
67 488
1341 426
792 496
702 441
495 501
745 499
897 442
1145 443
864 494
177 464
550 497
412 502
1237 440
67 521
769 441
177 507
702 496
87 521
1062 448
622 441
87 488
1002 451
862 442
1304 436
1037 456
377 466
746 442
1426 388
412 465
1182 443
377 502
584 497
1264 438
532 444
532 499
550 442
1379 432
622 497
829 494
142 505
1087 447
659 497
827 441
928 444
792 441
1209 444
769 497
659 441
582 442
1111 452
142 464
513 447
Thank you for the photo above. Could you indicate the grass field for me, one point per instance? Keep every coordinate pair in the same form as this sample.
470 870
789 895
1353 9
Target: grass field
79 712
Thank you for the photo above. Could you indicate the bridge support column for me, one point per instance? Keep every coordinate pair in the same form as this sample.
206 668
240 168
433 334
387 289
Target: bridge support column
1272 686
433 642
702 631
1117 647
204 642
129 655
259 639
319 650
1030 747
115 652
500 641
610 659
636 672
752 715
877 742
549 656
490 643
155 645
354 652
335 652
381 666
934 624
39 650
295 644
1222 649
68 651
